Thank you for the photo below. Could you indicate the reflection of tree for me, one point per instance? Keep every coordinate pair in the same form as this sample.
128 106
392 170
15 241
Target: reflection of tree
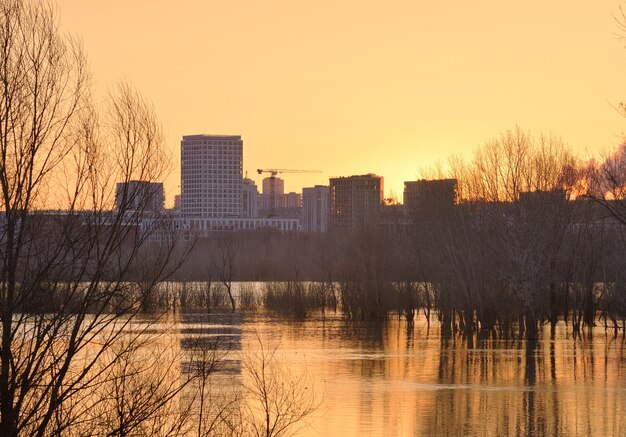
524 388
382 381
530 377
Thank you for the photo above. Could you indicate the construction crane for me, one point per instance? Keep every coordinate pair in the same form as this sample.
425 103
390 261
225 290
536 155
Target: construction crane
273 173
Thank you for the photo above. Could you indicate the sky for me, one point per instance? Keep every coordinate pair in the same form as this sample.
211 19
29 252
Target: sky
362 86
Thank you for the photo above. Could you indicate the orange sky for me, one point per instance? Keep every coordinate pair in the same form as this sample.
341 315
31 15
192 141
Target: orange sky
352 87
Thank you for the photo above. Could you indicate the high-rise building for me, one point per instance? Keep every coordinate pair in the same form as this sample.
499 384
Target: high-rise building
250 197
315 208
211 176
355 202
139 196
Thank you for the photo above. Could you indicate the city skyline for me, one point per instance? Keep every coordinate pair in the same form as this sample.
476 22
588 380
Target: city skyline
355 88
491 301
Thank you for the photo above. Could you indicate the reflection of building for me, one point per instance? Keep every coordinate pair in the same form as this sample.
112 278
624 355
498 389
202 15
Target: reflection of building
139 196
429 194
203 339
177 202
315 209
250 197
355 201
211 176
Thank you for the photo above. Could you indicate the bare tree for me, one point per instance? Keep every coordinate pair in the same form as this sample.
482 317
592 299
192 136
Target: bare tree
496 252
71 282
606 182
224 264
140 393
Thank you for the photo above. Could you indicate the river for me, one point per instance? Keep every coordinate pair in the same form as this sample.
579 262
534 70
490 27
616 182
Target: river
394 379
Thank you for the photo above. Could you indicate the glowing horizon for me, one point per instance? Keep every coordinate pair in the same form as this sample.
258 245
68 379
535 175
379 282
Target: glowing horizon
361 87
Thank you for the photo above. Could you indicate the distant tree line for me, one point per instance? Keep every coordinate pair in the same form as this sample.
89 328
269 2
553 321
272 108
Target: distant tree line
530 235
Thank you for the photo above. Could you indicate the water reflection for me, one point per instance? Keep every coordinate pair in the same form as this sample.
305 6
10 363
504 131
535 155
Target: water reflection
211 341
391 378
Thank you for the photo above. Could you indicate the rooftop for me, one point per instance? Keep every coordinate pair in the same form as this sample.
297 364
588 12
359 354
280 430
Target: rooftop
211 137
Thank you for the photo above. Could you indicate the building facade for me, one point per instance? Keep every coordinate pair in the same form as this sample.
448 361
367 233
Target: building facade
355 202
315 208
139 196
211 176
274 202
250 197
205 226
273 193
292 200
429 194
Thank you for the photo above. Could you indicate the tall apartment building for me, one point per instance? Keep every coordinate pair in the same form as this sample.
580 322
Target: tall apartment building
139 196
211 176
355 202
315 209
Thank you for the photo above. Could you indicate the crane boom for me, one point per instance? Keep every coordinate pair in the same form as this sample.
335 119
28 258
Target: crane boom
275 171
272 182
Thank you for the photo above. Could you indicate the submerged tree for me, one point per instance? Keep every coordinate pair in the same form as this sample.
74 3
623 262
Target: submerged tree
494 255
223 263
65 295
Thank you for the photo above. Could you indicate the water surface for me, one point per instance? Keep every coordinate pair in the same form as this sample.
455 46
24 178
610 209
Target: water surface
391 378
